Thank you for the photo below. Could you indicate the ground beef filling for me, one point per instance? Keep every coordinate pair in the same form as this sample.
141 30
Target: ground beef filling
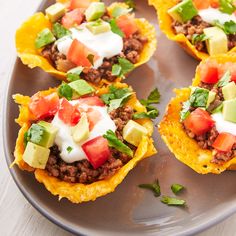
206 140
82 171
132 49
196 26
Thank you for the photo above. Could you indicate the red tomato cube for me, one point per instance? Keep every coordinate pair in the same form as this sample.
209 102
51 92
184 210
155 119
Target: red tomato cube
127 25
71 18
224 142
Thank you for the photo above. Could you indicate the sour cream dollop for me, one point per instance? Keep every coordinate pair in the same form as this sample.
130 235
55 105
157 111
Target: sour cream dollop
210 15
106 45
64 138
223 125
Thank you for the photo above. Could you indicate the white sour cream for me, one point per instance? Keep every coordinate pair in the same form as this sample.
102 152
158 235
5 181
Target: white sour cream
223 125
106 45
210 15
64 138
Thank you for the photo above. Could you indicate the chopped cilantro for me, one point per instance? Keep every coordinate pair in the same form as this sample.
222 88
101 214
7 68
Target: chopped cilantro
59 30
228 27
34 134
176 188
155 188
66 91
153 98
126 65
116 103
90 57
114 142
227 6
199 97
170 201
69 149
199 38
185 110
224 80
150 114
74 74
115 29
116 70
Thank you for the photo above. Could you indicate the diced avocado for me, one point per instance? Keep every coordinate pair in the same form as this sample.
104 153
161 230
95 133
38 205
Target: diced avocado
49 134
81 87
217 41
211 98
183 11
229 110
44 38
36 156
55 11
81 131
98 27
95 11
74 74
133 132
229 91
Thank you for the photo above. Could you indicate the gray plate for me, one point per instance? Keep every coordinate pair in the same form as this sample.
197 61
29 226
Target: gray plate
130 210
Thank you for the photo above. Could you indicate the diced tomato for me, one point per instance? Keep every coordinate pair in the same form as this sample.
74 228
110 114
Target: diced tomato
215 3
224 142
199 122
78 54
209 72
44 106
92 101
79 4
127 25
203 4
229 66
72 17
93 117
68 113
97 151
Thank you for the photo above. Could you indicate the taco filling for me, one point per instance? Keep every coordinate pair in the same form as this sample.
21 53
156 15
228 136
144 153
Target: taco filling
82 139
209 116
104 43
210 25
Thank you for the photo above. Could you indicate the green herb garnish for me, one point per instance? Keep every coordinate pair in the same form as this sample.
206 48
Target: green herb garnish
119 11
155 188
114 142
59 30
116 103
228 27
34 134
44 38
116 70
199 38
227 6
170 201
185 110
74 74
199 97
66 91
224 80
123 67
115 29
149 115
176 188
69 149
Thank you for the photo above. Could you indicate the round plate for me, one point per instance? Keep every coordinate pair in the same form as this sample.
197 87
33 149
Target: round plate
130 210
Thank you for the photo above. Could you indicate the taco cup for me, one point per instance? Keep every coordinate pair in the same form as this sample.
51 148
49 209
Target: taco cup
86 34
198 126
81 148
202 29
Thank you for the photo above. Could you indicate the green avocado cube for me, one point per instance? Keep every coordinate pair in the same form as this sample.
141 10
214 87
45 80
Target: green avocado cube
49 134
81 131
133 132
229 110
95 11
211 98
74 74
36 156
183 11
44 38
55 12
81 87
217 41
98 27
229 91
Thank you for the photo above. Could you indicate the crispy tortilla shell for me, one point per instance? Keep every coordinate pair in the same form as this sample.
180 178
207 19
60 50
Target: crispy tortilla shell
165 22
28 31
76 192
180 144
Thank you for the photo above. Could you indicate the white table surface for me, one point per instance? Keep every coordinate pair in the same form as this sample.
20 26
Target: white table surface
17 216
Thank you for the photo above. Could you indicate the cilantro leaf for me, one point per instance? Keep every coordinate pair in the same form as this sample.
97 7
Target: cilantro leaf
199 38
59 30
126 65
155 188
115 29
227 6
74 74
185 110
176 188
153 98
116 70
152 114
199 97
116 103
69 149
114 142
66 91
224 80
34 134
170 201
228 27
